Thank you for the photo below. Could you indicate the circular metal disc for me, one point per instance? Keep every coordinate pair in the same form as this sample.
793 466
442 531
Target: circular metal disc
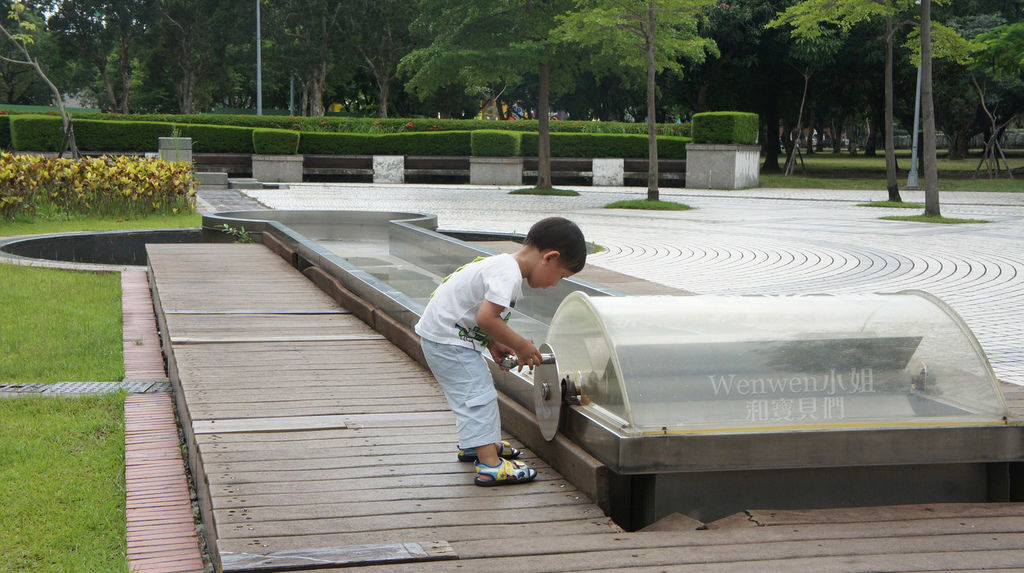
547 396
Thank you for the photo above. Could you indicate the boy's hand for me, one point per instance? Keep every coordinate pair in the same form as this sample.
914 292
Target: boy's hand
499 351
528 355
489 319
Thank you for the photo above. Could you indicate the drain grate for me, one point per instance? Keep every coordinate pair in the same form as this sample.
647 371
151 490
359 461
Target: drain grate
159 385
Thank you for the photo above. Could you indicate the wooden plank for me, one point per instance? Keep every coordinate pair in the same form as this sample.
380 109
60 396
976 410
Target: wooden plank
866 554
252 338
495 532
884 513
321 510
228 489
463 492
351 556
248 425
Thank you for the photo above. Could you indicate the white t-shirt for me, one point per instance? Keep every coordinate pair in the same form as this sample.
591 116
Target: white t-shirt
450 316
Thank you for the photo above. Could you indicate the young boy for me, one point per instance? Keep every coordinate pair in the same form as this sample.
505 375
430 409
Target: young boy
468 313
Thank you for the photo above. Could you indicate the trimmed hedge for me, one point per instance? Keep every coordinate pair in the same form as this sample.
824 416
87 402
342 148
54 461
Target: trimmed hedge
495 143
218 138
36 132
96 135
439 143
626 146
43 133
725 127
275 141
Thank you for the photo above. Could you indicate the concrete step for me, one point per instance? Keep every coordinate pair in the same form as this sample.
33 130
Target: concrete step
212 178
244 183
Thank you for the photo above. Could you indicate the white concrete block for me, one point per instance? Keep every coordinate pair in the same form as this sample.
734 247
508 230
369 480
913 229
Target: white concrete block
389 169
277 168
608 172
496 170
722 166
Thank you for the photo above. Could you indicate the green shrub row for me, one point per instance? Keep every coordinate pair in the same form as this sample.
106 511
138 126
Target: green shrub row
626 146
725 127
43 133
440 143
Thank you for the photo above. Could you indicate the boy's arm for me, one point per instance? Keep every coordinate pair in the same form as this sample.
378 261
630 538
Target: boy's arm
489 319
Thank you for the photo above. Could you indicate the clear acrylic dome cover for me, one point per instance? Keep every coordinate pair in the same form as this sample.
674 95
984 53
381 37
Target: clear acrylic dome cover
663 364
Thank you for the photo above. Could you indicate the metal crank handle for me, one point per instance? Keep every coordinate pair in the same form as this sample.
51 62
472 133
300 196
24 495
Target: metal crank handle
510 361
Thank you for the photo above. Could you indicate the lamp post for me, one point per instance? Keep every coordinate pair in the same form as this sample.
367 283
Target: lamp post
259 64
912 178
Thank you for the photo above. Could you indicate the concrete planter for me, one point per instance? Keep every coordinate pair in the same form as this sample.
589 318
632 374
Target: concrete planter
175 148
722 166
608 172
389 169
496 170
277 168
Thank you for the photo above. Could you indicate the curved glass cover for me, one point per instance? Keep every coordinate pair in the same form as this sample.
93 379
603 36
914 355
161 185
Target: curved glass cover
660 364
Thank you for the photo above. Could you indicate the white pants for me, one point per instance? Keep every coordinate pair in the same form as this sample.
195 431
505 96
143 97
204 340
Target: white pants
469 388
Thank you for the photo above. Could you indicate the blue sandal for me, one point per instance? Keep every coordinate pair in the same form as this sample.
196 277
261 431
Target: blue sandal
507 472
507 452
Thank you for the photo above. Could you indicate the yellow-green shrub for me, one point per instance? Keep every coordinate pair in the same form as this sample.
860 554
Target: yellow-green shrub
122 186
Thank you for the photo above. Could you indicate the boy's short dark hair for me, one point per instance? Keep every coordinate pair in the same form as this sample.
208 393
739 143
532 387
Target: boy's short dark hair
562 235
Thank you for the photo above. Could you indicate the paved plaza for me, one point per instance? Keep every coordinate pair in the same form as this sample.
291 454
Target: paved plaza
759 241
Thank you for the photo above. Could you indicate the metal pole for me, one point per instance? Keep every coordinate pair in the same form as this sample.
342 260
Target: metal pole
912 178
291 95
259 64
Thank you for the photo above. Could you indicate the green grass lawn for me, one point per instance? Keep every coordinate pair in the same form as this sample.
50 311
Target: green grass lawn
38 226
62 459
59 326
62 484
841 171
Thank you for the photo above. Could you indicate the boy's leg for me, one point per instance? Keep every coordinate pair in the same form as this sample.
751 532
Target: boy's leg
468 386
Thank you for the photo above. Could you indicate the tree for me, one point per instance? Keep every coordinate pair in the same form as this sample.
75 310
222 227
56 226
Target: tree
82 34
310 30
478 42
807 19
22 38
999 55
378 30
808 55
662 31
928 157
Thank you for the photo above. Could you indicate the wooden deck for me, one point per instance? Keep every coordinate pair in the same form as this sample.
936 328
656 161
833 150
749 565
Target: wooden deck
317 444
317 439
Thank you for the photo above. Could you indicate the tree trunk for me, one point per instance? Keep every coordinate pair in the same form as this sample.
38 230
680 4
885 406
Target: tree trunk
108 87
890 140
929 159
959 141
385 88
126 78
770 145
316 90
543 128
652 126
